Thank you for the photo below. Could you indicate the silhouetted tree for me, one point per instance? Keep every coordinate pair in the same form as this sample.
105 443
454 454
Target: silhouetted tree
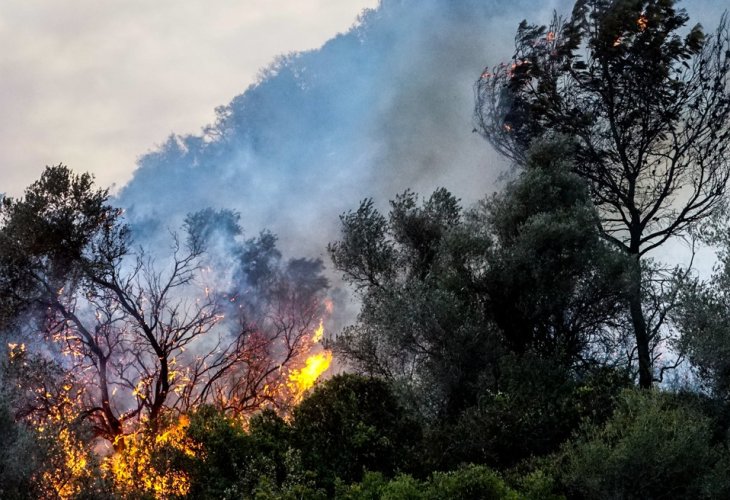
648 109
446 292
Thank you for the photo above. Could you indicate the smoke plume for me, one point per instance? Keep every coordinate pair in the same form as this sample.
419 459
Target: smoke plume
384 107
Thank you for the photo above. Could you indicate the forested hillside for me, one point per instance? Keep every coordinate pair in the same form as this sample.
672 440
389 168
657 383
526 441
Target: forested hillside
533 344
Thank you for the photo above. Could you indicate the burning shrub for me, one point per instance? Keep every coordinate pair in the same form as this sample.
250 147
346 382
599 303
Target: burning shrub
123 339
153 462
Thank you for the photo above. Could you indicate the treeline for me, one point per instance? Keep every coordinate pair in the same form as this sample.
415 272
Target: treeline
531 346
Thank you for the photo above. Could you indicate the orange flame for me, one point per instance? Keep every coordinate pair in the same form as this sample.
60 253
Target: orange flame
70 469
132 468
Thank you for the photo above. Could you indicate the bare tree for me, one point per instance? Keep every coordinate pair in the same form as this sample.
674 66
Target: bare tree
132 338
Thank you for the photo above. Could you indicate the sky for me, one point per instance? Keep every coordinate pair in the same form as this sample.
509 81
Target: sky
94 84
100 85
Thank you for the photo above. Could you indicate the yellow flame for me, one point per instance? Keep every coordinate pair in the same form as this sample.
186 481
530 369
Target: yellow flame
318 333
15 350
70 468
300 381
642 22
132 469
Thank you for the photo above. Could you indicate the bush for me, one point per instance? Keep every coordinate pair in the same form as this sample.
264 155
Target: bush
472 482
654 446
18 456
351 424
235 463
538 406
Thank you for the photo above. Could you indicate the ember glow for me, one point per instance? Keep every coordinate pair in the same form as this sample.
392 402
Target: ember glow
132 469
132 390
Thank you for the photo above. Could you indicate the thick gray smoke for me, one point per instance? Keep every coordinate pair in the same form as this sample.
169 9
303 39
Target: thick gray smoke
384 107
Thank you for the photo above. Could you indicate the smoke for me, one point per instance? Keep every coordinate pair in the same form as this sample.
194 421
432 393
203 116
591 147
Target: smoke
384 107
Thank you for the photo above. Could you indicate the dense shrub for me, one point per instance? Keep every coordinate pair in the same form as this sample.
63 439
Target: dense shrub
351 424
654 446
538 406
469 483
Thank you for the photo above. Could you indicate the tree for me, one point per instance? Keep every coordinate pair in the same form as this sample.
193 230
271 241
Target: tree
134 339
554 287
447 293
703 315
352 424
278 303
423 323
650 114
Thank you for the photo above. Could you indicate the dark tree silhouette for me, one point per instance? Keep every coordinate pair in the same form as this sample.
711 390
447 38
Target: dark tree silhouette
649 112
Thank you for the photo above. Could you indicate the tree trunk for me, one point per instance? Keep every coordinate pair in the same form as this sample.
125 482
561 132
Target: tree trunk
640 330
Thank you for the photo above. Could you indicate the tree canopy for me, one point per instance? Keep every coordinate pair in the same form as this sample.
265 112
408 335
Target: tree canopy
648 108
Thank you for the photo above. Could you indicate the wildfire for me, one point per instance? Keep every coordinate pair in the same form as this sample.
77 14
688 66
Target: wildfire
304 379
139 464
642 22
144 458
67 475
15 351
318 333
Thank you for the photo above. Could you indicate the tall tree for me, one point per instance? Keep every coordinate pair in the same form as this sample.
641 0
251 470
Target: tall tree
447 292
554 285
649 110
422 322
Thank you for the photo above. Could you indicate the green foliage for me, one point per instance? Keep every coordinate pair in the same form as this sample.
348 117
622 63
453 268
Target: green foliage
422 322
536 408
19 456
554 284
470 483
704 319
448 294
54 233
234 462
351 424
654 446
223 444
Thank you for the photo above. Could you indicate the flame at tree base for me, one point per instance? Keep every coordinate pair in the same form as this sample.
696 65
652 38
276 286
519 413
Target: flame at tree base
132 468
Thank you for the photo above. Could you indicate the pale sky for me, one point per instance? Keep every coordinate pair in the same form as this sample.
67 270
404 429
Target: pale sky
96 83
